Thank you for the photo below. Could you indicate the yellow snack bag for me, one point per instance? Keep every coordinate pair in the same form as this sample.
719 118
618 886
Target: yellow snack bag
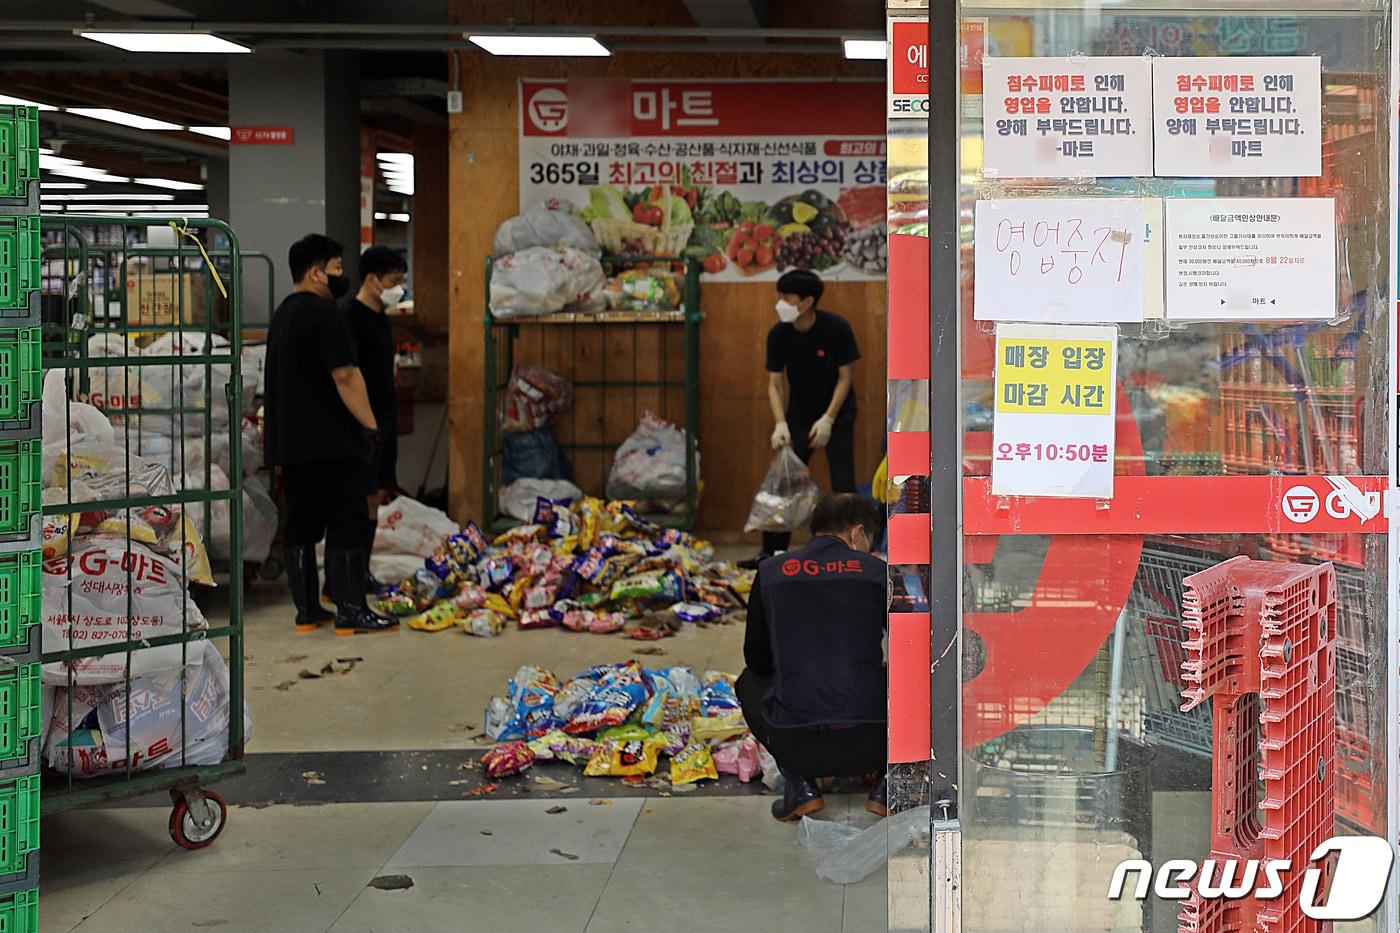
693 763
496 604
717 728
442 616
620 758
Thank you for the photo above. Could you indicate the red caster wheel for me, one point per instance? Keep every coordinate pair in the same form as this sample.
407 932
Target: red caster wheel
197 819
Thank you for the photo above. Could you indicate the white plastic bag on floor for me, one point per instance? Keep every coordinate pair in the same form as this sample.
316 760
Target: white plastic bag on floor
99 614
518 499
408 527
650 464
846 854
787 498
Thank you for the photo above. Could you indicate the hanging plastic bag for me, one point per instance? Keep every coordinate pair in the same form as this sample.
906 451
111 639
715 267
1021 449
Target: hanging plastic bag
650 464
535 397
787 498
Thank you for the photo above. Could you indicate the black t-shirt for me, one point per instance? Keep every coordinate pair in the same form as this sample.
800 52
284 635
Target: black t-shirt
373 334
812 360
306 421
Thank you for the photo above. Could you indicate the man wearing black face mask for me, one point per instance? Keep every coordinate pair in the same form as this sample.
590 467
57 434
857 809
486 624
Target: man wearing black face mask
320 433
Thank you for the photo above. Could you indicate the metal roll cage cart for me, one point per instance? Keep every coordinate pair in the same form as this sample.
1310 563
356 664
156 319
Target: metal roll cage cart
1203 612
103 290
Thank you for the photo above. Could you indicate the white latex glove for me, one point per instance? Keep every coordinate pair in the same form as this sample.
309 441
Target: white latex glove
781 435
821 432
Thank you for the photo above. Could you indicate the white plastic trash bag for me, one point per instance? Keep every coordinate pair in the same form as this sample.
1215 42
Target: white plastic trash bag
787 498
519 498
551 224
94 741
650 464
846 854
407 526
538 281
159 605
68 422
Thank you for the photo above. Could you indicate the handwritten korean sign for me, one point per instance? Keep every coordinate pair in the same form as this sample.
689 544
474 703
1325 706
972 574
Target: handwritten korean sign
1233 117
1052 434
1063 260
1251 259
1067 117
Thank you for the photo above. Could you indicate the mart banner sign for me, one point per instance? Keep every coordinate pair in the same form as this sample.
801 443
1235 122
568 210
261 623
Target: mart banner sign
752 177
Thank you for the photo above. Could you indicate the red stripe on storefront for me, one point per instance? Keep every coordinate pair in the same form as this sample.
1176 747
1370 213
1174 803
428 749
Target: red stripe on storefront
908 453
909 539
908 355
909 730
1182 505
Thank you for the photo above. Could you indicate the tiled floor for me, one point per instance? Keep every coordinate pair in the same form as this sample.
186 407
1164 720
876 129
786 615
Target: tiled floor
712 865
708 865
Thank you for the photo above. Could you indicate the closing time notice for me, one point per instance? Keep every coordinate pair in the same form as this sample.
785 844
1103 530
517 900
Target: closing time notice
1052 433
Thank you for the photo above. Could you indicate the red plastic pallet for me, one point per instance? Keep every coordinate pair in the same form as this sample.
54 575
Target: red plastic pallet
1260 643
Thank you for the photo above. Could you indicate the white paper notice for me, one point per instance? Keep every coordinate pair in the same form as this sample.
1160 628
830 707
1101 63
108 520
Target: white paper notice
1236 117
1052 434
1067 117
1066 260
1251 259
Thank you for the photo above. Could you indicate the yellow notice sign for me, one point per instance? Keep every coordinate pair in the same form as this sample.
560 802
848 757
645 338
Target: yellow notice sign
1049 376
1055 392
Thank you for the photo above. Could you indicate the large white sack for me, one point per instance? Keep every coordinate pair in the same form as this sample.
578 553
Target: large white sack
99 616
407 526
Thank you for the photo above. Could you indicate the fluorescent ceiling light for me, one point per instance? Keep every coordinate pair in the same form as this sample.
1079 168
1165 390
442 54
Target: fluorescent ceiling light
45 151
24 102
91 174
170 183
60 185
866 49
401 218
196 42
403 157
133 120
399 176
53 161
547 46
218 132
403 187
95 196
380 215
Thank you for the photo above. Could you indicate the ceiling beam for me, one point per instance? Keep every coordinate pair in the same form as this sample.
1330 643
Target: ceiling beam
742 14
445 30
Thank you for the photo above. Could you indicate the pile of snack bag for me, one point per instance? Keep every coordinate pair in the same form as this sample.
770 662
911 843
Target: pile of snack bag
618 720
592 567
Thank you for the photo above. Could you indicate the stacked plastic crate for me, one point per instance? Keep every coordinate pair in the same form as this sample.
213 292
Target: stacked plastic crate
20 521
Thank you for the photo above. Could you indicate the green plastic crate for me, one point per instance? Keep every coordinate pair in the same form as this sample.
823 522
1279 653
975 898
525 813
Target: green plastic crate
19 822
19 710
21 372
21 463
19 912
19 151
21 595
20 267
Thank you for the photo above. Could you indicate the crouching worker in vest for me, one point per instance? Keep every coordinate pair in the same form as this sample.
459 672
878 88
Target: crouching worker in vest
813 687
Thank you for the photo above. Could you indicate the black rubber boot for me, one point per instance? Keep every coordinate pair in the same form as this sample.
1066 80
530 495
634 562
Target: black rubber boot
878 802
346 574
300 560
800 798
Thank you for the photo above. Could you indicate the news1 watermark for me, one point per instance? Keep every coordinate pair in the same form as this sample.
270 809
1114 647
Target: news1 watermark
1357 887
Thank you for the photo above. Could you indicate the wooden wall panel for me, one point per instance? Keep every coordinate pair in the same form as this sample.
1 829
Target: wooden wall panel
734 424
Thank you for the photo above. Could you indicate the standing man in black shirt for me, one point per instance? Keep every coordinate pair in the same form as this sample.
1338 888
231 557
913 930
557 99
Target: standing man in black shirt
814 683
381 286
320 435
816 350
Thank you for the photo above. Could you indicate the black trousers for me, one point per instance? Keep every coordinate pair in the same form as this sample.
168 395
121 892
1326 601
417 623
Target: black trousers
326 500
814 751
840 462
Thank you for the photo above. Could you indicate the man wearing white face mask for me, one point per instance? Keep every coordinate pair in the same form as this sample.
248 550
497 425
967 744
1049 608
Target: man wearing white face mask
381 287
813 409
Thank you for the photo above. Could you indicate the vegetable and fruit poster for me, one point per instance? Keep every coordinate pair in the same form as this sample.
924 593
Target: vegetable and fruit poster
751 177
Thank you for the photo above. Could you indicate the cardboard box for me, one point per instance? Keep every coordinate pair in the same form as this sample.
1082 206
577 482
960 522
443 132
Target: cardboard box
166 297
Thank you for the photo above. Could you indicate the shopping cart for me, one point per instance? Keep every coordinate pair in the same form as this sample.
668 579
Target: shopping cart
155 317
